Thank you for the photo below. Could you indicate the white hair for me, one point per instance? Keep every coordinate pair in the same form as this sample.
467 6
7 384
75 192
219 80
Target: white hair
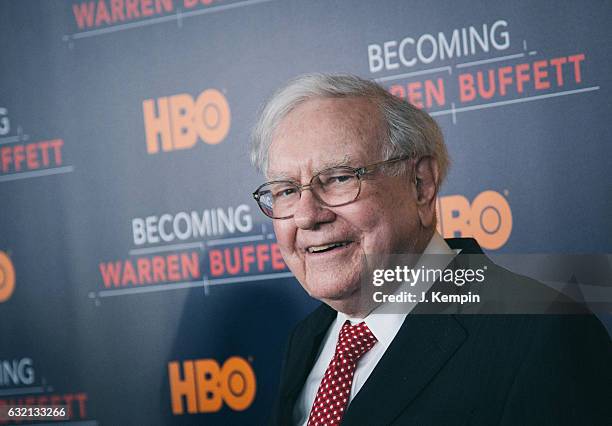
409 131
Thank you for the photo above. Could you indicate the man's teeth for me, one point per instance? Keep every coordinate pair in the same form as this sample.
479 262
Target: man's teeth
317 249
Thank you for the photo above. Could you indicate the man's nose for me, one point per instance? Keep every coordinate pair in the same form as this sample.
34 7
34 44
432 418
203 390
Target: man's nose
310 212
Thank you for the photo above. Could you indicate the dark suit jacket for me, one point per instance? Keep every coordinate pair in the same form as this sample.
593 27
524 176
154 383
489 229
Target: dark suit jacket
470 369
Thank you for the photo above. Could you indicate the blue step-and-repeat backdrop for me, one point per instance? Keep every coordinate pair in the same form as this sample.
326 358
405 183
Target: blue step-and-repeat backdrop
139 283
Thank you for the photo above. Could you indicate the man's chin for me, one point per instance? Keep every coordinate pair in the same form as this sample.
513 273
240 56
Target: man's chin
332 292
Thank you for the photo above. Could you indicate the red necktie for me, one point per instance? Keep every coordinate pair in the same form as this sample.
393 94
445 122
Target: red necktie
333 394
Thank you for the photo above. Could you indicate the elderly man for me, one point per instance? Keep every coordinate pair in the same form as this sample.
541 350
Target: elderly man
353 171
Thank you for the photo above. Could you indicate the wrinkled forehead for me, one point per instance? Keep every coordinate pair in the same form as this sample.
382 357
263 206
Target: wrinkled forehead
325 132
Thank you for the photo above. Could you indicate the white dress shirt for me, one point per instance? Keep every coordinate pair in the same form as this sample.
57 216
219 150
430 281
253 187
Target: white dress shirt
383 326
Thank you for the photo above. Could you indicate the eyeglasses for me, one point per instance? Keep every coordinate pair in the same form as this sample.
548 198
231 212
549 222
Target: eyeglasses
333 187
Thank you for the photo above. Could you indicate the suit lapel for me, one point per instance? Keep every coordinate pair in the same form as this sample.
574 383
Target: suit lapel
303 349
421 348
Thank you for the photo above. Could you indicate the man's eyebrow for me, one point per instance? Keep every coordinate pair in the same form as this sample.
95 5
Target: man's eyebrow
345 161
279 176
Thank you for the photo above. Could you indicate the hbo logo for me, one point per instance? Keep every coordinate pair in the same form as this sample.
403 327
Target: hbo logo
176 122
204 385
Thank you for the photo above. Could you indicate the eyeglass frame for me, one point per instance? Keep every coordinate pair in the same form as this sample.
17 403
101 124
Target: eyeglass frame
358 171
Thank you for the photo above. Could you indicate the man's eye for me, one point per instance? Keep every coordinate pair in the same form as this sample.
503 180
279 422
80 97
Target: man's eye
338 179
284 192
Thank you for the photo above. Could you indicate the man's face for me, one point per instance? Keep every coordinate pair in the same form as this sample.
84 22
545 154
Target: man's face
325 132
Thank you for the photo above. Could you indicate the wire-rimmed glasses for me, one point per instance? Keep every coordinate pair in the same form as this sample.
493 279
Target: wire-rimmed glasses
332 187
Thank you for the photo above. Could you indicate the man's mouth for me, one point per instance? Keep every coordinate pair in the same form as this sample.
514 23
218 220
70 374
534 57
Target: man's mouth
327 247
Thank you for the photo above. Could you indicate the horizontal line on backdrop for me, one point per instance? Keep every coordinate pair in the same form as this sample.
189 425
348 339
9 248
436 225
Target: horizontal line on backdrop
179 15
513 101
192 284
411 74
161 287
222 241
77 423
36 173
12 139
21 391
160 249
488 61
274 276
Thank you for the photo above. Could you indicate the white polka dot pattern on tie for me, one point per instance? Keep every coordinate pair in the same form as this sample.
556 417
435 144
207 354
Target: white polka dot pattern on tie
333 394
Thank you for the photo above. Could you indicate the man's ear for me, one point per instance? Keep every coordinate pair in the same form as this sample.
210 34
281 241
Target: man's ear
426 175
